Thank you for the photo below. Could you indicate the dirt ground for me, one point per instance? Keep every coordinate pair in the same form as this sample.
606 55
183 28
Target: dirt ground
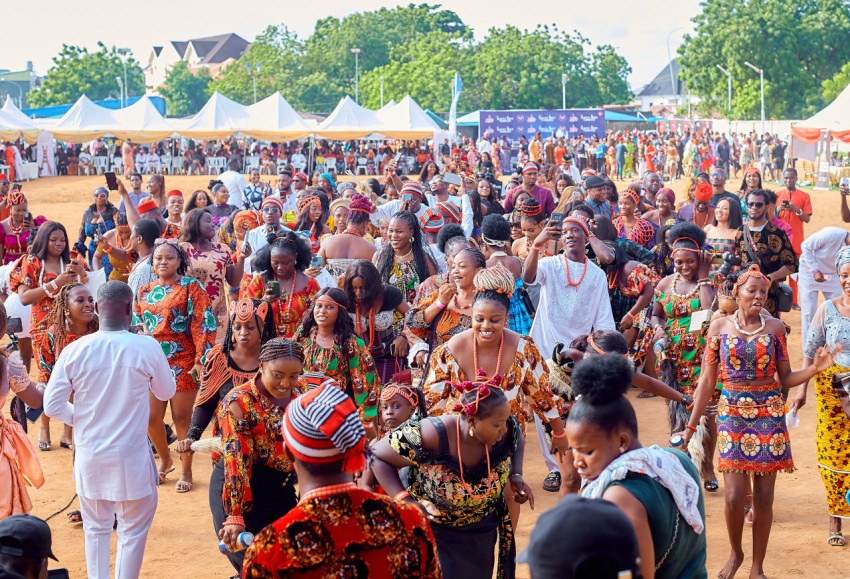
182 543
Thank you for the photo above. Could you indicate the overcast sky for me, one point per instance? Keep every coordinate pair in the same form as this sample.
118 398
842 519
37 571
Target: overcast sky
36 30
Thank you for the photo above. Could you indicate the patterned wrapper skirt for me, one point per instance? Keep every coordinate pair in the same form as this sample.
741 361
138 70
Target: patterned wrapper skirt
833 440
751 431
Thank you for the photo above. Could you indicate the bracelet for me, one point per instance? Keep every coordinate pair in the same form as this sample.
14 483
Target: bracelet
47 291
515 474
108 248
689 427
629 314
234 520
536 247
54 285
562 435
814 271
687 401
401 496
440 304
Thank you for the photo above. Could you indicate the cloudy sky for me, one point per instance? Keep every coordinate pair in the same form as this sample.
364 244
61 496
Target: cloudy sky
37 30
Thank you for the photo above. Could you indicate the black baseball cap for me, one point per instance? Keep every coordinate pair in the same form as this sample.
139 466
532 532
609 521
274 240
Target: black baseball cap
594 181
26 536
582 538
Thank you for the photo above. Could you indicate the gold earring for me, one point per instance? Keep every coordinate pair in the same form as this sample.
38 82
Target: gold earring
412 239
67 313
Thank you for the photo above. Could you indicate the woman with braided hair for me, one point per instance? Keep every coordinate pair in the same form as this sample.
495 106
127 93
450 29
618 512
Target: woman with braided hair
746 353
283 283
471 509
71 317
403 261
310 223
496 247
532 221
254 484
230 364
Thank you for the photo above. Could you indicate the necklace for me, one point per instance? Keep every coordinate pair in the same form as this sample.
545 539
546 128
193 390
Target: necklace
745 332
328 491
676 277
466 487
16 230
498 360
371 324
286 317
350 231
569 280
406 255
460 307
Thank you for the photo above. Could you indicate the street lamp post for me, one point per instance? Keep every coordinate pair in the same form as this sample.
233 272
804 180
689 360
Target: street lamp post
761 79
124 52
356 53
670 64
253 76
729 86
120 86
563 91
382 92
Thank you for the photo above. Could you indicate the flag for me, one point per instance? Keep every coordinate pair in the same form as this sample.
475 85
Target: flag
457 85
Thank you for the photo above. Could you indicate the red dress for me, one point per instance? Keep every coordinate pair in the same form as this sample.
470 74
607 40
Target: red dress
287 312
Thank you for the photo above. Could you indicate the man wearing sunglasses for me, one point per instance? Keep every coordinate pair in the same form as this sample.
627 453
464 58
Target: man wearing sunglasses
768 244
718 186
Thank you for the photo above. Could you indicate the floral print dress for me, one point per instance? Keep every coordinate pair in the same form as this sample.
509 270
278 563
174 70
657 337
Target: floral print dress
210 268
287 313
180 317
686 348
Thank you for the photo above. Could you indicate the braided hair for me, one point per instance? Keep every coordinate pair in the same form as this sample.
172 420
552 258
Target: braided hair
495 284
282 348
267 328
421 259
58 317
289 242
344 326
478 259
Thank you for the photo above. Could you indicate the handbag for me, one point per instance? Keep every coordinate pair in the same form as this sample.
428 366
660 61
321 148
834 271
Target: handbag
784 297
526 300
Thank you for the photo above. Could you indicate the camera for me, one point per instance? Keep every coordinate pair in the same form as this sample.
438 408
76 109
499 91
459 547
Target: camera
730 260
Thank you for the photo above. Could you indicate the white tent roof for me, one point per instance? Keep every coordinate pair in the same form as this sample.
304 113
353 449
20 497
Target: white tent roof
15 124
85 121
835 117
274 119
407 120
350 121
15 114
142 123
220 117
387 106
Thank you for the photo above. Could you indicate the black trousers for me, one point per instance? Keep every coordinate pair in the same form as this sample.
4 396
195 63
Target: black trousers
273 494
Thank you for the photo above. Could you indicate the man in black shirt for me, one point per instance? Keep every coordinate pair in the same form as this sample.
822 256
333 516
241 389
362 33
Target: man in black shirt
718 184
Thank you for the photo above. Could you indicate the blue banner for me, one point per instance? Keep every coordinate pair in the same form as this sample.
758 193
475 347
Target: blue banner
559 123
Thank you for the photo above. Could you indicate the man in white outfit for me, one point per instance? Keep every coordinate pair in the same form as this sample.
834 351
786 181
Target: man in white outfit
817 273
112 374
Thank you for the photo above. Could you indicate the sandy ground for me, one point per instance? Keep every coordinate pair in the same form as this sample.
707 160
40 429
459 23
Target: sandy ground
181 541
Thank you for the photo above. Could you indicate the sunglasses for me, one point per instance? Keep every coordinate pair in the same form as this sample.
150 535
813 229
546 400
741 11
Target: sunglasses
755 204
163 241
515 225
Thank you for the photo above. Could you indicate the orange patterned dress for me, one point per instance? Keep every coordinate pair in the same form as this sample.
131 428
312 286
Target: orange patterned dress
527 380
287 313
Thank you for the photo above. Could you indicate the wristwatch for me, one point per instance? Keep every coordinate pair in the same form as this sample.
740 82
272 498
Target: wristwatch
687 400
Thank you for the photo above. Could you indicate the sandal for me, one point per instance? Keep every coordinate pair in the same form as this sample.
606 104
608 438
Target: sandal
183 486
710 486
646 394
45 446
75 517
162 474
748 518
552 482
68 445
836 539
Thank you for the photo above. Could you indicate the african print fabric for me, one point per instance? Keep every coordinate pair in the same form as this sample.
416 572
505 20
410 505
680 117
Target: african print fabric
642 233
686 348
286 319
773 250
833 441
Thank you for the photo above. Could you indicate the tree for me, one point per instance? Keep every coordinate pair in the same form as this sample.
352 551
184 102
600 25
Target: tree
185 92
798 43
76 72
611 72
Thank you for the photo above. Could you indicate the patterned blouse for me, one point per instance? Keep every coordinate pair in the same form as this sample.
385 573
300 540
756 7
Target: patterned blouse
256 438
48 352
359 381
210 268
286 318
30 272
354 533
741 361
642 233
527 380
773 250
449 322
180 317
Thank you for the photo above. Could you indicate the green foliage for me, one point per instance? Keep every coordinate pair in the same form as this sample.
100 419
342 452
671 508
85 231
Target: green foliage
184 92
76 72
832 87
799 44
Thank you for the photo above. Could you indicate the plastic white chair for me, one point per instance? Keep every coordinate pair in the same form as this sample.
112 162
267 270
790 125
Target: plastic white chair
361 166
215 165
100 164
252 162
177 165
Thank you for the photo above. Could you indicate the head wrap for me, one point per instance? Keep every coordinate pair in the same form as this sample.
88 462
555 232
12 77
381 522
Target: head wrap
272 201
412 187
16 198
339 203
300 176
360 203
842 257
3 176
528 167
753 171
579 220
668 193
588 173
345 185
330 179
752 271
703 192
531 208
307 201
450 211
146 205
431 220
104 189
174 193
247 220
631 194
322 426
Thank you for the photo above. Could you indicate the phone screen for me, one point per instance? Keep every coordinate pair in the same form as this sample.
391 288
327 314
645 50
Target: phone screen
111 181
316 261
274 286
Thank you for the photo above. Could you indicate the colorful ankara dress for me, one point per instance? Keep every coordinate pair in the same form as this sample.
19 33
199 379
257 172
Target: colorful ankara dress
526 381
255 481
642 233
519 319
347 533
289 308
180 318
469 523
378 332
14 244
833 432
404 277
624 293
751 431
772 250
49 350
352 367
210 268
686 348
427 336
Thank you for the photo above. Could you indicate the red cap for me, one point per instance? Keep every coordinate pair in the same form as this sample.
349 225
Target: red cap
146 205
175 193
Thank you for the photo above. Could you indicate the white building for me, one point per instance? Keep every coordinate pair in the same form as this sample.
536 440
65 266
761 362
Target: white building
211 52
662 90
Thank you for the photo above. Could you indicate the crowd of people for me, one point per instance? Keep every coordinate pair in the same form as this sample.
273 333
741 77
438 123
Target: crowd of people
370 356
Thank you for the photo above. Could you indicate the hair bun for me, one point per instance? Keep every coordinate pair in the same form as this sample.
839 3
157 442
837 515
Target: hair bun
602 379
497 278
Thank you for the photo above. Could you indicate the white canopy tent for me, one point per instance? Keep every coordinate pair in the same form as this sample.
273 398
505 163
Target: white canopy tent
142 123
406 120
350 121
14 124
220 117
274 119
834 118
85 121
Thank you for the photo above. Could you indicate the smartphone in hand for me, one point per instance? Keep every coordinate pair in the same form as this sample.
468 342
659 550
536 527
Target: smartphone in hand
111 181
274 287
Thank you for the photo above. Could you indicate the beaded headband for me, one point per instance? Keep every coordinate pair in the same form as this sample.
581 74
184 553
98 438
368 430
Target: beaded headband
312 200
244 310
402 390
531 208
752 271
482 391
330 299
697 250
593 345
631 195
16 198
493 242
